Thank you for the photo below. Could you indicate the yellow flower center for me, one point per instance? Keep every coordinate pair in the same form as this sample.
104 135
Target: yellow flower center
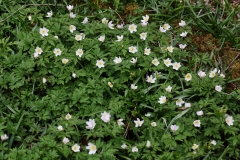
75 148
92 147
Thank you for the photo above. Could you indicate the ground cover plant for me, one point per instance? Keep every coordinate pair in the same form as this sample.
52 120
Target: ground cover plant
100 86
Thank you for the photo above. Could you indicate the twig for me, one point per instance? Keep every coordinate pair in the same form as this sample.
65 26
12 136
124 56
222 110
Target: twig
232 61
119 17
24 7
199 12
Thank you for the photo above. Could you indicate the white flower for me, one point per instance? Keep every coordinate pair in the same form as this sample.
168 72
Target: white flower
110 25
60 128
182 46
105 116
120 26
110 84
138 123
85 20
222 75
150 79
155 62
44 80
148 144
132 49
132 28
144 23
166 26
119 122
35 55
65 140
201 74
176 65
162 99
145 18
117 60
174 127
188 77
134 87
148 114
119 38
229 120
64 60
169 89
72 15
74 75
56 37
57 52
179 102
29 17
38 50
79 52
167 62
161 29
143 35
123 146
182 23
218 88
72 28
200 113
44 31
213 142
92 148
90 124
49 14
76 148
4 137
70 7
154 124
133 60
212 74
147 51
134 149
100 63
170 49
68 116
187 105
80 36
184 34
104 21
101 38
195 146
197 123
